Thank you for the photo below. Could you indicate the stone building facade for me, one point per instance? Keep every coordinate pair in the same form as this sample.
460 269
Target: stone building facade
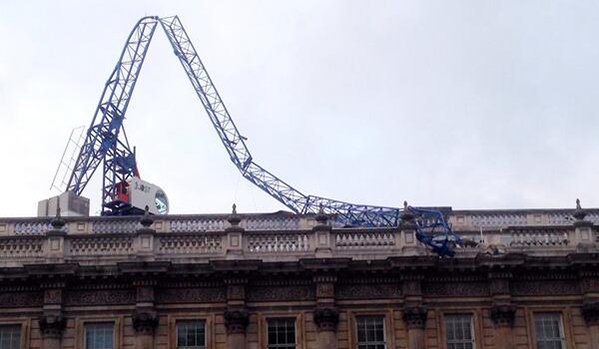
291 281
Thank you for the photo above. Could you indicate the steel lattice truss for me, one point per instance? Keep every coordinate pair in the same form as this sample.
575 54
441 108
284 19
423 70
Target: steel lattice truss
104 144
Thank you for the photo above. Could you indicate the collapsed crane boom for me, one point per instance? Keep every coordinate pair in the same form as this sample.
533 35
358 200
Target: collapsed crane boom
104 142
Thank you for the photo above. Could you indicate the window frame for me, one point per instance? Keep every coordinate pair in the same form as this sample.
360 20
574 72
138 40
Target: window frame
385 344
25 329
565 322
263 327
476 324
389 326
561 327
90 323
472 330
285 318
179 321
208 328
117 333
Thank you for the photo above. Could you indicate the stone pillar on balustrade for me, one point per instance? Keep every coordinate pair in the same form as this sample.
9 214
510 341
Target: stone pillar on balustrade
414 310
584 238
323 237
234 236
236 315
144 238
407 241
326 315
503 310
54 248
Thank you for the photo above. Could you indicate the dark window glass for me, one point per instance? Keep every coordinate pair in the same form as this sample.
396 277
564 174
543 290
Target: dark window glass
281 333
371 332
191 334
548 328
10 336
458 331
99 335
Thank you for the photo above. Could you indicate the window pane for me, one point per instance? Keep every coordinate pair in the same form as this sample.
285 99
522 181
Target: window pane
99 335
548 328
458 331
281 333
191 334
10 336
371 332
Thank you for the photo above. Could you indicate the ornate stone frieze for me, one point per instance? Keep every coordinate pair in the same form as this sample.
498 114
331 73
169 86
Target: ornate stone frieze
456 289
145 294
22 299
374 291
235 292
590 312
325 290
52 326
191 295
503 314
415 316
236 321
326 318
542 288
144 322
279 293
97 297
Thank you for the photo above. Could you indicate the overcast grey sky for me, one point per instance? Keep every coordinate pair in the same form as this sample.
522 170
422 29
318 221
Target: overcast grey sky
469 104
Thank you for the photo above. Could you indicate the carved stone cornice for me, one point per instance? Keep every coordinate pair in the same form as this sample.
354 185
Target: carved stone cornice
415 316
590 312
145 322
52 326
326 318
236 321
503 314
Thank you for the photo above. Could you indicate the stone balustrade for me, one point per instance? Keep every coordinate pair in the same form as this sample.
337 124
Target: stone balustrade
179 239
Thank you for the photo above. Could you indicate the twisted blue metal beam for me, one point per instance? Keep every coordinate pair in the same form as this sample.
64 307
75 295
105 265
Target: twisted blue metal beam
102 142
234 143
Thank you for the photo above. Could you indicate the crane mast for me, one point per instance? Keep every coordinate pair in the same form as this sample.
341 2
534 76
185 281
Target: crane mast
104 142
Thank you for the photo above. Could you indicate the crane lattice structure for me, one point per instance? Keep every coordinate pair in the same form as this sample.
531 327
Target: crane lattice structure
106 140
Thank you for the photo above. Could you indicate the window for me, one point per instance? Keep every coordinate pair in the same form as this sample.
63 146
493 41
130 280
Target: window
281 333
99 335
191 334
371 332
10 336
548 328
458 331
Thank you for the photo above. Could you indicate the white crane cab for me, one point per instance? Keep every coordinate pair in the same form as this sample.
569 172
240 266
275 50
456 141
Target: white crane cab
139 194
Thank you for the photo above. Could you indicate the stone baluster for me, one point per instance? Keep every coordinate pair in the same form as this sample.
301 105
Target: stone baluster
326 315
52 323
144 317
502 310
236 317
414 311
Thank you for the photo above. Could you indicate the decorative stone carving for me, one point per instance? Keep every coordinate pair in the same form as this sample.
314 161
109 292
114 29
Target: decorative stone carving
100 297
236 292
191 295
590 312
325 290
380 291
326 319
503 314
52 326
23 299
236 321
144 322
145 294
541 288
274 293
458 289
53 296
415 316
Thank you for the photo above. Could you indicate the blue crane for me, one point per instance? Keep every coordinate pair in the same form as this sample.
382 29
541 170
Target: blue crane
106 142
